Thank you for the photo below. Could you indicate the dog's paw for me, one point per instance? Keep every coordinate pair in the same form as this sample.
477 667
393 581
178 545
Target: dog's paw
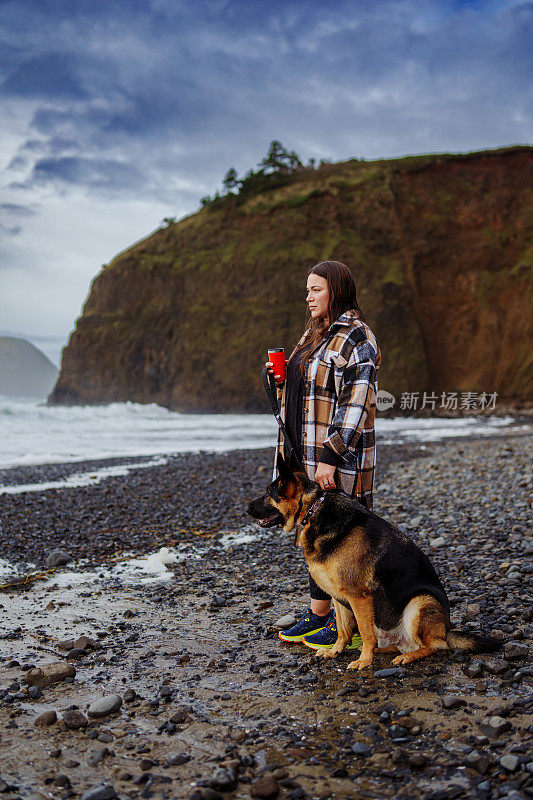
361 663
402 659
326 653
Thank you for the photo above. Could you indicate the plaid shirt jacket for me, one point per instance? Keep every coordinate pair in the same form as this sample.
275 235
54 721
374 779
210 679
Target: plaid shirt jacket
340 404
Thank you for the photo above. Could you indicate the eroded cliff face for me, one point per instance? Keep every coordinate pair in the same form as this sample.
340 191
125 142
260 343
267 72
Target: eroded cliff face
442 251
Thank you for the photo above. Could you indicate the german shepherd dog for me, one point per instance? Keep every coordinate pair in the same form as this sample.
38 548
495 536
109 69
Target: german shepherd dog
378 578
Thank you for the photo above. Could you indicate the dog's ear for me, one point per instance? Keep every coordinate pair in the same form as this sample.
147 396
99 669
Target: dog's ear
281 466
294 465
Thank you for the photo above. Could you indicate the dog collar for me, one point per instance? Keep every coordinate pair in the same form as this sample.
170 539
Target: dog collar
310 511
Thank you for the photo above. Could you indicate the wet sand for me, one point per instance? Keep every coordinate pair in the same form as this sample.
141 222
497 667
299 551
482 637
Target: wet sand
212 705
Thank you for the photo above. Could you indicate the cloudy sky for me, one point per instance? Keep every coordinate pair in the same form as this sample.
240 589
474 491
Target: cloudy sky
116 114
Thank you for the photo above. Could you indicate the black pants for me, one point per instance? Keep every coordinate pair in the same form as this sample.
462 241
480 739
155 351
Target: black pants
316 592
314 589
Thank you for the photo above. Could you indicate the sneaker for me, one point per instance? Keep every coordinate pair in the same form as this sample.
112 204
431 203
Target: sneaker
308 624
326 638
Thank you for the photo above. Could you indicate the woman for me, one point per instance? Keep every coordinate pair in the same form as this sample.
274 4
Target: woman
328 404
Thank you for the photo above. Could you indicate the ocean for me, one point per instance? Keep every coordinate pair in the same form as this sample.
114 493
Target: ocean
33 433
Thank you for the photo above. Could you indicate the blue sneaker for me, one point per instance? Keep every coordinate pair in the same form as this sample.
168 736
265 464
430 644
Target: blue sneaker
326 638
308 624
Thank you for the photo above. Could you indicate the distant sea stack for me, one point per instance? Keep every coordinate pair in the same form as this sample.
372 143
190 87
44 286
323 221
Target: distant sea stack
24 370
441 247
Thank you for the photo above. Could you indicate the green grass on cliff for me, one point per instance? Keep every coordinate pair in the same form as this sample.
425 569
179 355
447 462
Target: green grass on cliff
304 187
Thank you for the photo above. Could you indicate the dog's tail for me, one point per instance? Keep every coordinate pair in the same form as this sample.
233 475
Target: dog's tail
473 642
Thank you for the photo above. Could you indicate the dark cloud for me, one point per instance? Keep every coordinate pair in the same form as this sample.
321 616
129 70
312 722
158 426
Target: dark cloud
46 76
99 174
17 210
118 113
165 88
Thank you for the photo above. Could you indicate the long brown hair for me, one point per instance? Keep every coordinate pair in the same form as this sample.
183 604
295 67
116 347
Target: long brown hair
342 297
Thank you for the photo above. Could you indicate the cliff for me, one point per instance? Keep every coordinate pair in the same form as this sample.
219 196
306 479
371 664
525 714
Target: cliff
441 247
24 370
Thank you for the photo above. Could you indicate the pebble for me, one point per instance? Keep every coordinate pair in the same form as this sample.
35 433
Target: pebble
494 726
75 720
287 621
496 666
439 541
206 793
101 792
84 643
510 762
177 759
417 761
477 761
49 674
46 718
180 716
223 779
516 651
105 706
474 669
265 787
390 672
451 701
361 749
57 558
76 652
97 756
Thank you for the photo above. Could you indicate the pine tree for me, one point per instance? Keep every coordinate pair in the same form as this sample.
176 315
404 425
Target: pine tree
231 180
277 157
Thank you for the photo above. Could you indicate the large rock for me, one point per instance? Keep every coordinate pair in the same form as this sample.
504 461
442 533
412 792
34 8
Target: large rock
45 719
494 726
57 558
101 792
105 706
451 701
287 621
432 254
266 787
75 720
49 674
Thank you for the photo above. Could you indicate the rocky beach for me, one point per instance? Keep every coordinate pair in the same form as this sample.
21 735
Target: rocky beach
134 672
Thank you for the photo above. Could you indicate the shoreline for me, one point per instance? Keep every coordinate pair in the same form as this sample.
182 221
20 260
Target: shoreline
53 468
32 440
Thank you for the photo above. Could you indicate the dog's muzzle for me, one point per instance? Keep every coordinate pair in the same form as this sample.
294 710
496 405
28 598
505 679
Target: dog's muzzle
265 516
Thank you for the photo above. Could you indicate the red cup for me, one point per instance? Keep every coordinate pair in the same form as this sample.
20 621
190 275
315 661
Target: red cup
277 356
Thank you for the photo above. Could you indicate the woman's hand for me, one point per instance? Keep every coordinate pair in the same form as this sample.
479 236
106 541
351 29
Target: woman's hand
270 366
325 476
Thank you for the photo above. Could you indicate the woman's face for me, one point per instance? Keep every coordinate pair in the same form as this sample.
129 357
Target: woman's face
317 296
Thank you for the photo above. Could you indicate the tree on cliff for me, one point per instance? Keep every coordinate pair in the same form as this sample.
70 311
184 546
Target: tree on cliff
230 180
278 159
275 170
